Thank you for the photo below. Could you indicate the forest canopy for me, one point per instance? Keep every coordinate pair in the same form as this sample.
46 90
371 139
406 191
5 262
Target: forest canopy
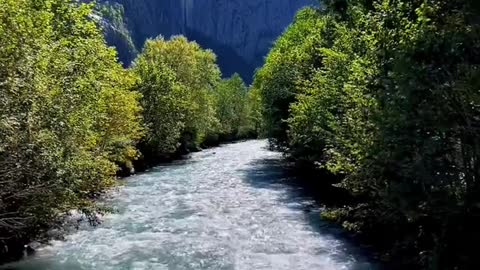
385 96
380 95
71 117
186 103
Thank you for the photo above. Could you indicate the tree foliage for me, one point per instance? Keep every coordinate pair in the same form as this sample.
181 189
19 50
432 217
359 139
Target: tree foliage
292 55
231 100
186 103
72 118
67 115
385 94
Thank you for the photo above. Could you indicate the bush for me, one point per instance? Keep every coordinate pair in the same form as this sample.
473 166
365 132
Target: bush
67 116
391 104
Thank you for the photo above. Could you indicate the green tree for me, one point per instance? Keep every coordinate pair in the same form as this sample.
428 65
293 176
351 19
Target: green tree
288 65
231 101
391 104
177 79
67 116
254 125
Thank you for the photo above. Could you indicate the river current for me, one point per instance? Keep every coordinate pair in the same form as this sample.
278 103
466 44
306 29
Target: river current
226 208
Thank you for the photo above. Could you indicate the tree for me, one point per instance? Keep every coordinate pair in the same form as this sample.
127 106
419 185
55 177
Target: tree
289 63
67 116
388 100
231 101
177 79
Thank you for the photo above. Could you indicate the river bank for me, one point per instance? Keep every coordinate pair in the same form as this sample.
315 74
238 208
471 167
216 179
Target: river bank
15 249
231 207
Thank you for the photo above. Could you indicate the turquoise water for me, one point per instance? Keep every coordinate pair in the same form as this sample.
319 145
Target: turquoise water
223 208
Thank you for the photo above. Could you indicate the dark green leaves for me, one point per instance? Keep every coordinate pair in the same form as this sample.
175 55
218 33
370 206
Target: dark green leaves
383 93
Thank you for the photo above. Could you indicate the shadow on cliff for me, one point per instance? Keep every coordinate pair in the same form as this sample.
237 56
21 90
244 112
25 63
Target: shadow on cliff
228 59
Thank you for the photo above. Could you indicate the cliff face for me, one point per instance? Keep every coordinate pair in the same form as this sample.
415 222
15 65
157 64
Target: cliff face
239 31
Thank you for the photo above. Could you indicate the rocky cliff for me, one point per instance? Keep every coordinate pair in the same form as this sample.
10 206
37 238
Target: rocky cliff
239 31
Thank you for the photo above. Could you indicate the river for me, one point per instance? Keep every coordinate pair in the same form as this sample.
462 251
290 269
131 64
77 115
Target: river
229 207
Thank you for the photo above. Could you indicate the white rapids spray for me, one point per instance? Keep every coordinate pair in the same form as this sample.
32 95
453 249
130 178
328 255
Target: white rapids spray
224 208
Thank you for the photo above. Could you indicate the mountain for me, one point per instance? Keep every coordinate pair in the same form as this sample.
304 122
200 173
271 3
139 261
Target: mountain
240 32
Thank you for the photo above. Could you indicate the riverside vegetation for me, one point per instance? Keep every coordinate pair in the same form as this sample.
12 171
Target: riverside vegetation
71 115
384 95
381 95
